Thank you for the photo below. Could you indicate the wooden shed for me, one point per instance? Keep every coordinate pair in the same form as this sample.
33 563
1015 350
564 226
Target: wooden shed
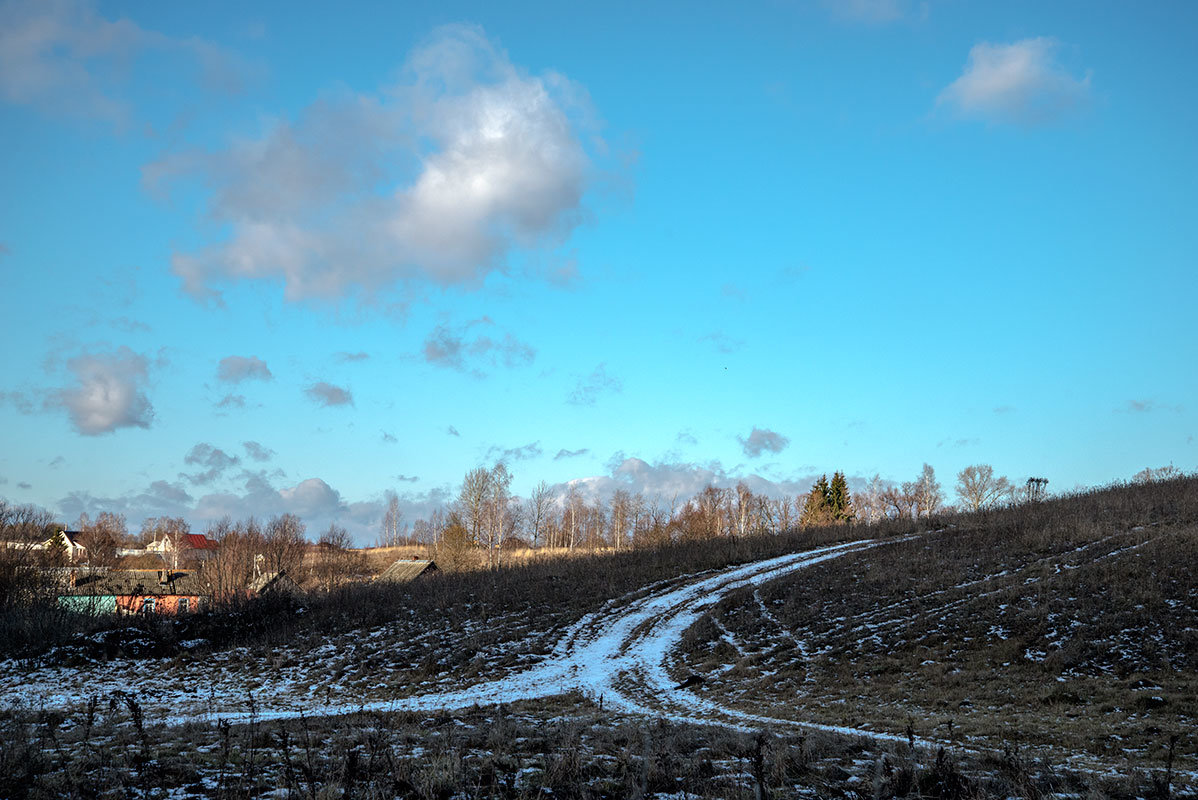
274 583
406 569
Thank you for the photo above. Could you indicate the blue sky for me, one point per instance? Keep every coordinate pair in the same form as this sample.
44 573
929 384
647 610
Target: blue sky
392 243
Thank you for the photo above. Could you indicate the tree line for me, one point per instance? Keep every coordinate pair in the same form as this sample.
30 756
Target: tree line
486 519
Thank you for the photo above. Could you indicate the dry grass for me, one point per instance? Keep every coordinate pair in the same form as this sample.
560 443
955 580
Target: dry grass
562 747
1071 625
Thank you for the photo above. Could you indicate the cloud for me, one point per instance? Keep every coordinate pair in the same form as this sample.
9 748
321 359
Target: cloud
452 431
431 181
868 11
408 478
235 369
669 482
4 250
232 401
964 442
327 395
57 462
1004 409
109 393
523 453
129 325
64 58
1147 407
592 386
763 440
315 501
388 438
722 342
213 460
463 350
21 400
24 485
570 453
1019 83
733 292
258 452
346 358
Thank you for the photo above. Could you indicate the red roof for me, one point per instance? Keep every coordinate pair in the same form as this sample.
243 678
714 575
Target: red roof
198 541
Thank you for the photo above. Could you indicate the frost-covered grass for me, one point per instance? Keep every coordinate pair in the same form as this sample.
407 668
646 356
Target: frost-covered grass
1071 626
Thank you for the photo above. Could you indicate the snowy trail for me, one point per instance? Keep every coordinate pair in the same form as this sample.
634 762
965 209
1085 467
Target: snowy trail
618 654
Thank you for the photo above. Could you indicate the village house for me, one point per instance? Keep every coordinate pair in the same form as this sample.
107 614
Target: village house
136 591
185 548
72 540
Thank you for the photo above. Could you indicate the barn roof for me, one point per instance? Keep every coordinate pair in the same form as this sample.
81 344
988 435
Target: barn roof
273 582
139 582
198 541
405 570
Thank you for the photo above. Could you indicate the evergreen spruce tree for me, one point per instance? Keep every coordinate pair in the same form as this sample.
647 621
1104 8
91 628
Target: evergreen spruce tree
56 550
839 501
817 510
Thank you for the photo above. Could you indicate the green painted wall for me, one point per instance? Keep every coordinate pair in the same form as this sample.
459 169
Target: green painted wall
89 604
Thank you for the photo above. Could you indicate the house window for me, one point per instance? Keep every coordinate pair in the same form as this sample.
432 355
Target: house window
147 605
184 605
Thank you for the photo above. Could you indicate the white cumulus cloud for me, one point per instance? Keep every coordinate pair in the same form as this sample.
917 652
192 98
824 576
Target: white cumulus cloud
433 180
1021 82
109 392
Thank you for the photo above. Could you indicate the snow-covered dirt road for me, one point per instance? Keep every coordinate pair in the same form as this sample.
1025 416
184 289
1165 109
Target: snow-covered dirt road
618 655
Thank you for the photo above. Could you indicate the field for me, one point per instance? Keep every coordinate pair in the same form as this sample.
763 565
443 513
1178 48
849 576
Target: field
1048 649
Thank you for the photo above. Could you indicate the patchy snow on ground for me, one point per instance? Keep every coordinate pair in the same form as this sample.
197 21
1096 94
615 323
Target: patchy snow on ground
617 655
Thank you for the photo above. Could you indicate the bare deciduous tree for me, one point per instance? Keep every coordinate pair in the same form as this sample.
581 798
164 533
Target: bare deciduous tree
978 488
102 538
336 561
495 510
472 501
390 531
536 512
928 496
283 545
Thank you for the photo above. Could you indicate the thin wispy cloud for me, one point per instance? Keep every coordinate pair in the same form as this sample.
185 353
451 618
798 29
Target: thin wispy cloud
522 453
231 401
872 12
327 395
257 451
762 440
1021 83
1147 406
590 388
475 347
212 461
65 58
563 453
235 369
722 342
349 358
